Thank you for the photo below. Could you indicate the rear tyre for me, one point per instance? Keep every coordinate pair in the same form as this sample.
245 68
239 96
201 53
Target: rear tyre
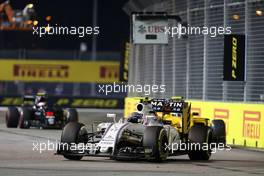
155 138
199 136
12 117
24 120
72 115
218 131
72 133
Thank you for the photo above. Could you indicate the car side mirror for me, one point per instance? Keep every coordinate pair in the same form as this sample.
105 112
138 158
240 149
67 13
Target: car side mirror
111 116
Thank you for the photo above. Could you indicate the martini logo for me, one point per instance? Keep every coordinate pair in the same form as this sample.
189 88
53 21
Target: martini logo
251 124
40 71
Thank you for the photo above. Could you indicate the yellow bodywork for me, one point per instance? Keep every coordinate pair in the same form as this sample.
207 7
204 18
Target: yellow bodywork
182 122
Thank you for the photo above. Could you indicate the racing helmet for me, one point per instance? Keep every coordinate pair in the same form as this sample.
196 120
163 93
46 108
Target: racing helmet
135 117
40 99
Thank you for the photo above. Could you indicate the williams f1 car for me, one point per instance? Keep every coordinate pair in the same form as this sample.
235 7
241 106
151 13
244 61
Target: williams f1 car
37 112
154 132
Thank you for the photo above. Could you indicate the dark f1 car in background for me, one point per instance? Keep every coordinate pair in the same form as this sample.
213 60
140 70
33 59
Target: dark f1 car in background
150 133
37 112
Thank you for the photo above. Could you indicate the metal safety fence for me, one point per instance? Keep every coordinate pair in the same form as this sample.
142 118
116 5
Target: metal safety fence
192 66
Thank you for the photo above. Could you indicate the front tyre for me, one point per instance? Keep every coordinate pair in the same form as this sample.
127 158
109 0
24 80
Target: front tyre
155 138
71 134
199 136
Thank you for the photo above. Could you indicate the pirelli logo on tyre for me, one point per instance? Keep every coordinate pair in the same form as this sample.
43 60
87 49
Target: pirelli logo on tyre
41 71
251 124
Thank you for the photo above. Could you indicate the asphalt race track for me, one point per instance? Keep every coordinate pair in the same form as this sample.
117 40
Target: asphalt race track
18 158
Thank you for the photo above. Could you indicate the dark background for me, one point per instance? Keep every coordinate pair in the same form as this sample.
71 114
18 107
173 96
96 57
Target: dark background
112 20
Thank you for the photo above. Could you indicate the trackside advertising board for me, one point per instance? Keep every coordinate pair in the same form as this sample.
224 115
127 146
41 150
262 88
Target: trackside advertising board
73 102
124 62
59 71
149 29
234 58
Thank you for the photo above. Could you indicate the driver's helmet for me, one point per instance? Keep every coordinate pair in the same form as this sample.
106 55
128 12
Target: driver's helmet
40 100
135 117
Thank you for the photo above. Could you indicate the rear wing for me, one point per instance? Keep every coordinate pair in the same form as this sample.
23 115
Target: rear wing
165 105
28 99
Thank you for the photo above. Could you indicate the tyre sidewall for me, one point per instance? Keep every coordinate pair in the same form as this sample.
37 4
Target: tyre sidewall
200 135
155 137
70 135
25 117
12 117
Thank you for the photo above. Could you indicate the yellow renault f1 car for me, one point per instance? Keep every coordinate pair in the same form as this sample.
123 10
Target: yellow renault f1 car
158 129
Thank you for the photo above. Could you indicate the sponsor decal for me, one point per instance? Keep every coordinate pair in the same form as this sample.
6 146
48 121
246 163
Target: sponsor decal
41 71
109 72
234 58
149 29
251 124
124 63
76 102
59 70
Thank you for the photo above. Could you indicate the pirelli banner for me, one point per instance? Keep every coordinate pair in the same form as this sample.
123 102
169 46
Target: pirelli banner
70 102
59 71
234 58
244 122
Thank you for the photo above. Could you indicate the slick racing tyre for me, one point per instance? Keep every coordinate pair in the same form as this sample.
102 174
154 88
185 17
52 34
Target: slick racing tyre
155 138
218 131
12 117
199 136
72 133
24 119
